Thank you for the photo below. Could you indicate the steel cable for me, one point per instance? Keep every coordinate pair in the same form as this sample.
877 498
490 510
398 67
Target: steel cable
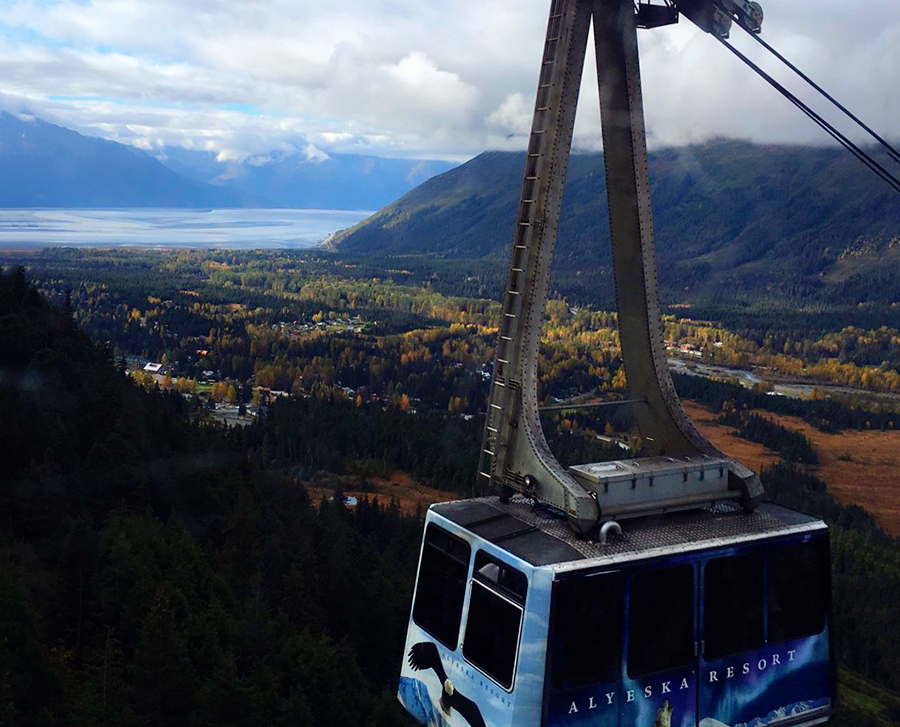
829 128
894 154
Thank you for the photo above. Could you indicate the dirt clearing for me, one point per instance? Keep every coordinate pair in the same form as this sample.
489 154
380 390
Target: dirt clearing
398 485
859 467
750 454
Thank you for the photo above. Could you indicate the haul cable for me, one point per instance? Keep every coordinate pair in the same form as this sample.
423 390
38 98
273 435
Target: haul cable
829 128
894 154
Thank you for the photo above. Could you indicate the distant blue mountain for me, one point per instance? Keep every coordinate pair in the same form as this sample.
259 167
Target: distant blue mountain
44 165
340 181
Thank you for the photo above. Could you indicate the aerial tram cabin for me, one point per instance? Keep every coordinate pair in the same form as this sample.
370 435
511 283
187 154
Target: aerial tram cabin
706 617
655 592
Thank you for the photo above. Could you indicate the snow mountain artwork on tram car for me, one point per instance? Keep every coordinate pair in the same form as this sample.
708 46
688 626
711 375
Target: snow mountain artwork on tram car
755 683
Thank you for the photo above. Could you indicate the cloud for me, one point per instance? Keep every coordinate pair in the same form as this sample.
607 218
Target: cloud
406 77
411 96
512 118
314 154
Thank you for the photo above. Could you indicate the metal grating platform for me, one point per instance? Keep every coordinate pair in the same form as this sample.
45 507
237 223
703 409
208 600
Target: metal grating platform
692 530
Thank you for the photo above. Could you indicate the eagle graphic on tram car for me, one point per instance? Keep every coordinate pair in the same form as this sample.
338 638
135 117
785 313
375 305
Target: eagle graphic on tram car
424 656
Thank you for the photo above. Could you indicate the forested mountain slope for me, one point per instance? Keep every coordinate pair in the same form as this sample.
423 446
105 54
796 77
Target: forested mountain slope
157 572
730 217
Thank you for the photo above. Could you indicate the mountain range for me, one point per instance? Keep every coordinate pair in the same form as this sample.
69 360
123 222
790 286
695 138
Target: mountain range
729 216
45 165
311 180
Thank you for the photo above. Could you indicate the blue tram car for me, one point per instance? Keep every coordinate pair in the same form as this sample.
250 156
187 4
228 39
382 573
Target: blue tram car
705 608
706 618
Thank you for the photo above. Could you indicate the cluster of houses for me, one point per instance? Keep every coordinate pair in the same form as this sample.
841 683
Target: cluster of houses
688 349
296 328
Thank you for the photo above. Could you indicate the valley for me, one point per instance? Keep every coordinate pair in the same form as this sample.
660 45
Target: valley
251 265
859 468
364 383
229 325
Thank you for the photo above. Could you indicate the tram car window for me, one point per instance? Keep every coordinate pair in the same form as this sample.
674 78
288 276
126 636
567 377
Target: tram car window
441 588
798 590
586 640
733 605
494 620
661 620
505 578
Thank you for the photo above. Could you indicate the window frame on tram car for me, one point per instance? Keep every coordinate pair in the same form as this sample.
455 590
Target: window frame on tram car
803 586
494 586
759 555
734 591
650 637
802 578
443 567
599 632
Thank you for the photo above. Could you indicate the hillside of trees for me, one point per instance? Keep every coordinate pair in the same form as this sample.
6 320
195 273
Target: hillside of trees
735 223
159 569
158 572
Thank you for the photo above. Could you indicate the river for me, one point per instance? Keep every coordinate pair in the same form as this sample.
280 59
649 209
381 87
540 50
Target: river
747 378
799 390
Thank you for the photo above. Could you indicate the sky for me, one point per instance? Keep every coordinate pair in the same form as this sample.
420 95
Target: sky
409 78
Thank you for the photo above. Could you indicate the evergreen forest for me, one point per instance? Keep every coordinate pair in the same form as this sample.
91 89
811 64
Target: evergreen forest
159 567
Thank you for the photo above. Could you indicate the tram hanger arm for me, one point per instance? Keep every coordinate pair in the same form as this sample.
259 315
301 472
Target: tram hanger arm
515 455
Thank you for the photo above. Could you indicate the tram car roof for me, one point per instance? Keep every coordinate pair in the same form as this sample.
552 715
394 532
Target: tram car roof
542 537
